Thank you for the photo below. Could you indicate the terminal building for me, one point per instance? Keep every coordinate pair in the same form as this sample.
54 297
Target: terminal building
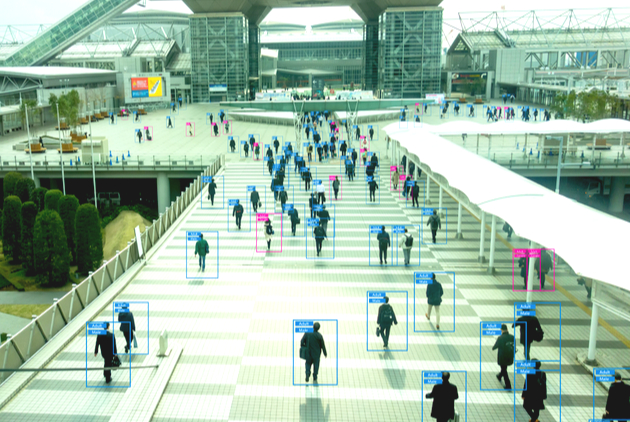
423 247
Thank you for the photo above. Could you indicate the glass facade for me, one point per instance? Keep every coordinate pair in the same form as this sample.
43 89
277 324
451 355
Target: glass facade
310 51
60 36
370 56
409 53
219 55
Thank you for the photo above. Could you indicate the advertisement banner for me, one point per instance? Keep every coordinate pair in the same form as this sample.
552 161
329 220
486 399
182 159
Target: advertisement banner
138 84
155 86
139 94
218 87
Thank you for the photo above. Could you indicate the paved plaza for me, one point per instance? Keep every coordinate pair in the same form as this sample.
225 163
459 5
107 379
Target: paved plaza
240 360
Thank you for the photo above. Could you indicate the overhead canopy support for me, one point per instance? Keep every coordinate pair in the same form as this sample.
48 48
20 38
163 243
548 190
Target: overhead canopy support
334 105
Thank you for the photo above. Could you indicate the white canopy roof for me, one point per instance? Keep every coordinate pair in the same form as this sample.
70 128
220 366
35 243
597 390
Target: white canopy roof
593 243
514 127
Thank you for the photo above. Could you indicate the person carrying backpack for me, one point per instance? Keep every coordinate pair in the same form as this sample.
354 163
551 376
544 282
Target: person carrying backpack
237 212
435 223
212 190
505 354
383 244
268 233
202 248
255 198
535 392
406 243
530 331
320 234
434 299
386 317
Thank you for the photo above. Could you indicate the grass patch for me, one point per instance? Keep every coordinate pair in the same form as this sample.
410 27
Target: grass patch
24 311
3 337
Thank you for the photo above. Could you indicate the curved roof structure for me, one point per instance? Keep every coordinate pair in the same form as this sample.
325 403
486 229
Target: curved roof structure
590 241
519 127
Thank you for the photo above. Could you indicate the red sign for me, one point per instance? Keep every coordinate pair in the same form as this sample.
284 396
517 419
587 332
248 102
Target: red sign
139 84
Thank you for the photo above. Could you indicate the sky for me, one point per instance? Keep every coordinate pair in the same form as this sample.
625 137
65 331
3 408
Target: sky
49 11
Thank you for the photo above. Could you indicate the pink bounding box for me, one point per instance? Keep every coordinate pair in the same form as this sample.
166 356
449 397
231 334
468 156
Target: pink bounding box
517 254
262 217
392 169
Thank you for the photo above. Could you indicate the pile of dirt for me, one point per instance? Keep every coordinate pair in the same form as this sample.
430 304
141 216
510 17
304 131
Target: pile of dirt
121 230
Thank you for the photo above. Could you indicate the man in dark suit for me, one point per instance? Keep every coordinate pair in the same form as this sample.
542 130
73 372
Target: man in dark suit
617 405
315 343
505 354
107 343
530 331
444 396
128 327
386 317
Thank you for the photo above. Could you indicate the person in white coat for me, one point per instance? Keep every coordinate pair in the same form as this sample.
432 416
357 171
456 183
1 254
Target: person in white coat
406 243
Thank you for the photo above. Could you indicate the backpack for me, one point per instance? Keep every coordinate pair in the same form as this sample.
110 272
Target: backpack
269 230
505 227
387 317
409 241
382 242
538 335
508 352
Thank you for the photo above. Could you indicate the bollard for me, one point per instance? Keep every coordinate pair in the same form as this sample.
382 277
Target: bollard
110 161
531 151
110 152
128 153
164 350
123 157
116 159
71 162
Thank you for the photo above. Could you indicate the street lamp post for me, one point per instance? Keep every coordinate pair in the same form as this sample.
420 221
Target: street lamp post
63 179
28 139
93 171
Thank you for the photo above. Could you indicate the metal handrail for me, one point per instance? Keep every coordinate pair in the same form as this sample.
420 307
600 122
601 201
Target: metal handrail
21 347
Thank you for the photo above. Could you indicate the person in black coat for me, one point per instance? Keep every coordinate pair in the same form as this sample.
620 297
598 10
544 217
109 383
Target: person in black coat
307 179
237 212
128 327
372 187
386 317
354 158
212 190
383 244
530 331
434 299
107 343
255 198
523 264
505 354
312 201
535 392
403 162
415 193
444 396
270 165
215 128
315 343
617 404
232 145
276 144
319 233
295 218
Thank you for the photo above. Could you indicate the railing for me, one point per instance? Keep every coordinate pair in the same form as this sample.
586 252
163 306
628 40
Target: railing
130 162
19 348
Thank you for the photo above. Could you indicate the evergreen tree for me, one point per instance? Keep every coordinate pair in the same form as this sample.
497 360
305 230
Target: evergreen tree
89 239
52 258
29 213
12 227
51 200
68 205
24 189
39 197
9 182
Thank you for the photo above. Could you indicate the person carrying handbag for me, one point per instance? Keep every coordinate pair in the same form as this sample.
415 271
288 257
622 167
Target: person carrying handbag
109 352
268 233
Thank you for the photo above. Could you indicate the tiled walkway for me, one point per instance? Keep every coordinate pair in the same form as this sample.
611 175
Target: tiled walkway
238 357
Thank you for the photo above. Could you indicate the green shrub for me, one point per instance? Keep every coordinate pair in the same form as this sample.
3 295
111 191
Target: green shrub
12 227
29 214
52 258
68 205
51 200
9 182
89 239
110 213
24 189
39 196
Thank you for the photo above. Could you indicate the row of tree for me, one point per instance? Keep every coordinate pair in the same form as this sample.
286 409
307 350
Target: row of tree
48 231
590 105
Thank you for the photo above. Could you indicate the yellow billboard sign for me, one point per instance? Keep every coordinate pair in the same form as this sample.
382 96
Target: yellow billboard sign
155 86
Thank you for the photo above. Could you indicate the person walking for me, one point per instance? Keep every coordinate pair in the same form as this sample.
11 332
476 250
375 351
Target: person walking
508 229
312 201
232 145
354 158
268 233
535 392
107 343
307 179
111 118
295 219
505 354
215 128
386 317
309 151
282 195
617 403
212 190
350 170
255 198
343 148
543 265
237 212
308 133
371 132
128 327
270 165
321 193
383 244
276 144
201 249
139 135
314 345
320 234
434 299
324 218
530 331
523 264
395 178
373 186
211 116
257 151
246 149
415 192
444 396
335 186
435 223
406 243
